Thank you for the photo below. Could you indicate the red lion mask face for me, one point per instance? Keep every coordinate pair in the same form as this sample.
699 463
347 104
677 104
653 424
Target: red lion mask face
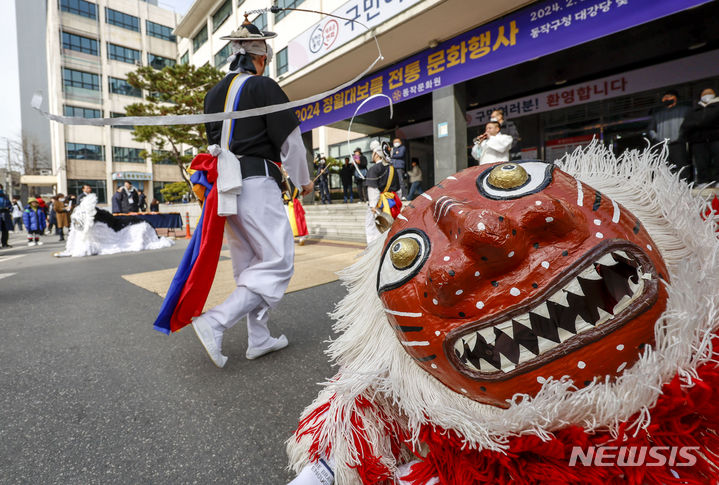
503 276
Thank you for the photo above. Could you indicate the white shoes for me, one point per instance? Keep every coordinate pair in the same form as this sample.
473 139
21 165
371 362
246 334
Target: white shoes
279 343
207 338
39 243
31 243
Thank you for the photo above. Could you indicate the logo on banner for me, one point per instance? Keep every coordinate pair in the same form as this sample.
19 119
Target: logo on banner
324 36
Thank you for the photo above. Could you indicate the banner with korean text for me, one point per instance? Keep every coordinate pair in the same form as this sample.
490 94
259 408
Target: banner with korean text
330 33
532 32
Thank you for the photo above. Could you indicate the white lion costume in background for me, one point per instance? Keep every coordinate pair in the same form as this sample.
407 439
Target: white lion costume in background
384 418
95 231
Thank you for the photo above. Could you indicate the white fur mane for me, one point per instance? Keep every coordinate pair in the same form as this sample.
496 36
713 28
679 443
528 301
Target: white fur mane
373 363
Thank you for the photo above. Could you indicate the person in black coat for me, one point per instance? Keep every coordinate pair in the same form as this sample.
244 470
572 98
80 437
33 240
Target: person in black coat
142 201
361 162
6 223
117 201
346 175
130 198
507 127
701 130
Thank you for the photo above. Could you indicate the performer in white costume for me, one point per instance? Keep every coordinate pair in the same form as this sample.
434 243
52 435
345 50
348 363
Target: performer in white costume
257 229
378 182
95 231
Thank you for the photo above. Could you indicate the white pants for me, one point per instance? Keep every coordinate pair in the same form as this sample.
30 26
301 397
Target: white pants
371 231
262 250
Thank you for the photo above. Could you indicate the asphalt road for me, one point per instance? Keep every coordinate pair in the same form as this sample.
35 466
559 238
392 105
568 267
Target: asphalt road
90 393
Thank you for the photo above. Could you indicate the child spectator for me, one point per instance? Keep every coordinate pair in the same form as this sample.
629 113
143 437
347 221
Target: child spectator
17 213
34 219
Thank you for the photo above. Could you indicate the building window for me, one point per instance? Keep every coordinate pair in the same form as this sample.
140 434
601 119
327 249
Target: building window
79 7
282 64
158 62
123 54
190 152
185 59
157 187
166 160
121 86
98 188
222 14
122 19
199 39
160 31
120 115
261 21
286 4
79 43
124 154
83 151
79 112
222 55
80 79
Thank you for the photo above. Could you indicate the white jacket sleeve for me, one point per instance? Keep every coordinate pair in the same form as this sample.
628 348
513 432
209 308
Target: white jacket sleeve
500 142
294 158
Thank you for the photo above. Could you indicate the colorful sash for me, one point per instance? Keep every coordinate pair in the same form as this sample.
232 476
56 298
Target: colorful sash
389 201
191 285
296 215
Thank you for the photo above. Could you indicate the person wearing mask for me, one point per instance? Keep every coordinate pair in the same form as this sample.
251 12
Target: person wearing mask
382 185
17 213
130 198
508 127
665 124
62 215
361 162
399 162
701 129
86 189
346 175
117 201
6 224
491 146
415 180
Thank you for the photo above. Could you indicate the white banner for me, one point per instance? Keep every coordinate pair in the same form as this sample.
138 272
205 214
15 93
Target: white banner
684 70
330 33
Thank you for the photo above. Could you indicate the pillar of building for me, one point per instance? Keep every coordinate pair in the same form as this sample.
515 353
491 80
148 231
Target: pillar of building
450 131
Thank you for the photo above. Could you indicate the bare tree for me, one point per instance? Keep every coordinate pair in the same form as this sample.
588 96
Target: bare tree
25 154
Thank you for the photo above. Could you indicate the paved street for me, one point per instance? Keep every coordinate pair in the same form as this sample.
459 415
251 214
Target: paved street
92 394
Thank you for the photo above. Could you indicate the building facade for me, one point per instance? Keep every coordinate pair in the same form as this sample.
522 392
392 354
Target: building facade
565 72
91 47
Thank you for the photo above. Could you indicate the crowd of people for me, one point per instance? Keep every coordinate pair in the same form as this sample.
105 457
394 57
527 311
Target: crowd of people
353 173
37 216
128 199
40 217
692 135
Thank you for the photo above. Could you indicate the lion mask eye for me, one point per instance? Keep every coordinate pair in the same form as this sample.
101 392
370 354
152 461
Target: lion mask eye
512 180
403 257
507 176
403 252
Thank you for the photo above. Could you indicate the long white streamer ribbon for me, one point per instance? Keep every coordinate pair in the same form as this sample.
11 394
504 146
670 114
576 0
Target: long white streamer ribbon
203 118
349 128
